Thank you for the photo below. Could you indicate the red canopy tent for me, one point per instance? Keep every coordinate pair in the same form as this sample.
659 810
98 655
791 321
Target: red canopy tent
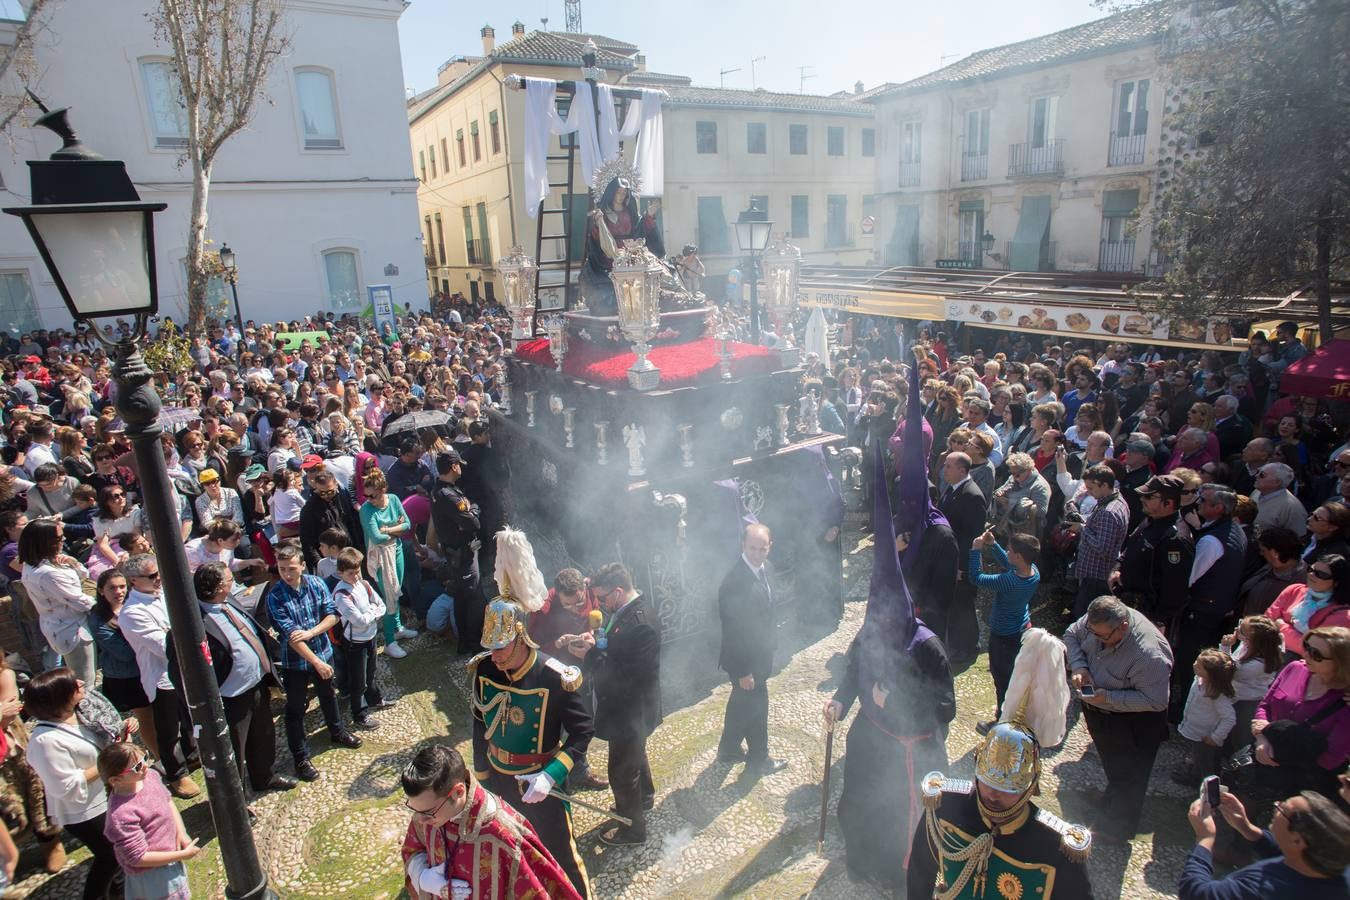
1323 373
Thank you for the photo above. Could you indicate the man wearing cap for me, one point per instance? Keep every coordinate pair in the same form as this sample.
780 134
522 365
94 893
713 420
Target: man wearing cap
1155 564
1138 458
328 506
455 522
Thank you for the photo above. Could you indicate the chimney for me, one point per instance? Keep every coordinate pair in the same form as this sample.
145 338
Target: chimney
641 61
489 39
857 87
517 29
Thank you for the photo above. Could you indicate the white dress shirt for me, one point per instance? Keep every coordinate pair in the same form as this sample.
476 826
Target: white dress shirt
144 621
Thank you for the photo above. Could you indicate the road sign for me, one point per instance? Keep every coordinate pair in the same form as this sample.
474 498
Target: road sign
957 264
868 224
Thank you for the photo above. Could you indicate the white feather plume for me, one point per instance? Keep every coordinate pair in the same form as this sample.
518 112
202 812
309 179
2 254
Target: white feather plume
1038 678
516 567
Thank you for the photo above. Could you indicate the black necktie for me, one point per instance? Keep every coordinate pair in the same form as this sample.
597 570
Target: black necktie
947 495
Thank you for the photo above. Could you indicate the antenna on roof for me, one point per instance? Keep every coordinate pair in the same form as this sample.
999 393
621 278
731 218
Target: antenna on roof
544 22
801 72
942 60
753 82
725 72
573 10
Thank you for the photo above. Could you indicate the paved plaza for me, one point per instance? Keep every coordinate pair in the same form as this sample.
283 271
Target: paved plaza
714 835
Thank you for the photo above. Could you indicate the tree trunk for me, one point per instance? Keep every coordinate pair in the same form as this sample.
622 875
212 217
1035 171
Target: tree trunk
1322 274
201 186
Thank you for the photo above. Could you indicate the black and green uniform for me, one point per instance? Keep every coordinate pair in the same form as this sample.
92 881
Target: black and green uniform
526 721
1036 856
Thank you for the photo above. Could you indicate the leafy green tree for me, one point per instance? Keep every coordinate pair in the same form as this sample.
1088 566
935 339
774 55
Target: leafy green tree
1254 188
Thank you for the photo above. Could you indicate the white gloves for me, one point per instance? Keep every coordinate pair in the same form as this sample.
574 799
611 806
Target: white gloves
460 889
433 881
536 786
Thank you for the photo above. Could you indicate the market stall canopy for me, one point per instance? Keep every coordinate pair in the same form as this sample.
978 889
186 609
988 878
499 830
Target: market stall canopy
1095 305
1323 373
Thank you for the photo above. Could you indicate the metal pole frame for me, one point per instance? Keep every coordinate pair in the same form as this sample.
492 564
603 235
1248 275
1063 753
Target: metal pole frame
238 316
139 406
754 297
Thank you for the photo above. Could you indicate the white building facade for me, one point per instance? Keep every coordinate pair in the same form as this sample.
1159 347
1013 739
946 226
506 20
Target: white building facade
317 197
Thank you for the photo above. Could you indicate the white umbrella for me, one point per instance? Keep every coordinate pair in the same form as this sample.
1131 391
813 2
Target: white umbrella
818 335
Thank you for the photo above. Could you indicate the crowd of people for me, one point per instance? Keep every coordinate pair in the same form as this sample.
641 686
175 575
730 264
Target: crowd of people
1188 525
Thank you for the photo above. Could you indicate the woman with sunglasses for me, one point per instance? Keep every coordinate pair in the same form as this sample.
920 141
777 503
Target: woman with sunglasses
1328 532
1323 602
1309 691
145 828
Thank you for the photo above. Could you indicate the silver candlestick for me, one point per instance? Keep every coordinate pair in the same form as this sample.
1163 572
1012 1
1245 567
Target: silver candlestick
724 353
506 391
529 408
811 414
601 447
569 423
686 445
556 329
780 423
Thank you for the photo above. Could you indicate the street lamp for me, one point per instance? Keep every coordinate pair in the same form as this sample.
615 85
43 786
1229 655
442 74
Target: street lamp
986 245
752 236
231 267
97 240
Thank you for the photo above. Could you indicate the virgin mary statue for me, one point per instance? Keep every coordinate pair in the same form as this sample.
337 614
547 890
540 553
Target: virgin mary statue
613 220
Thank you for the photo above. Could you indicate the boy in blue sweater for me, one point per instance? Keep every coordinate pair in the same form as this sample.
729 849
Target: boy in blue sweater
1013 588
1304 854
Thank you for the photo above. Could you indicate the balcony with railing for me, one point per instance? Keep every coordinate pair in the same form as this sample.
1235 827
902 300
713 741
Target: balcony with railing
971 251
1125 150
909 174
1029 159
1116 256
477 252
974 166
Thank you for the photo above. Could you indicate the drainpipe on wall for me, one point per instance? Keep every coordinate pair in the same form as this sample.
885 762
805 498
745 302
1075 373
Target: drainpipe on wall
506 148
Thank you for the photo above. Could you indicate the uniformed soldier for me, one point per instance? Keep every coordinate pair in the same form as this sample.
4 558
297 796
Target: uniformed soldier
529 722
985 838
455 520
1154 572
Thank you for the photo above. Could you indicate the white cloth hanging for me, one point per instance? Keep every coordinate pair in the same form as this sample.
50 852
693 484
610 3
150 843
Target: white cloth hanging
643 121
542 122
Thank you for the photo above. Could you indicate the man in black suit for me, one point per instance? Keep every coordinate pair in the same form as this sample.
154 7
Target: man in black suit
1256 454
964 506
1230 427
625 664
242 655
745 601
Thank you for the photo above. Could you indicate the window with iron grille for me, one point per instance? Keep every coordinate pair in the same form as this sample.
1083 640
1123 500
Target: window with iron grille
797 140
705 137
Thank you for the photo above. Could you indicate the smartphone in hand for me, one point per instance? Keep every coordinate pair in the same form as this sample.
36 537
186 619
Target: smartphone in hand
1210 791
1088 690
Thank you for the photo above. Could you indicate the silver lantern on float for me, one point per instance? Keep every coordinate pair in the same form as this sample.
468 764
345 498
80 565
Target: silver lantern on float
637 288
555 327
518 289
781 265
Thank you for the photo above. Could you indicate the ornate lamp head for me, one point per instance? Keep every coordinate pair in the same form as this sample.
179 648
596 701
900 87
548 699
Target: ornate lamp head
637 288
782 267
518 286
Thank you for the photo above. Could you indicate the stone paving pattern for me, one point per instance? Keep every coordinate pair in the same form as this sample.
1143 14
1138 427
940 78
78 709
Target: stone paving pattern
714 835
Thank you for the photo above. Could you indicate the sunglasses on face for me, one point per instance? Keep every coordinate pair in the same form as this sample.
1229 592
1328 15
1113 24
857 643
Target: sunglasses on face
137 767
1324 574
1314 654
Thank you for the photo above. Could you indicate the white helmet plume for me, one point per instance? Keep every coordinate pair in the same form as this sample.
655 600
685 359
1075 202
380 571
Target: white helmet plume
1038 694
516 572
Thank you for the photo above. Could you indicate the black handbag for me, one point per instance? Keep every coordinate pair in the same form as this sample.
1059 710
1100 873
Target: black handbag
1299 743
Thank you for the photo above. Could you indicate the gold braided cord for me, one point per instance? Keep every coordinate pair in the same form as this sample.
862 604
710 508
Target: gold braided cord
975 855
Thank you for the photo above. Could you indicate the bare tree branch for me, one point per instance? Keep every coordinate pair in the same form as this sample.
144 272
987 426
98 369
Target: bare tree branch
221 88
17 64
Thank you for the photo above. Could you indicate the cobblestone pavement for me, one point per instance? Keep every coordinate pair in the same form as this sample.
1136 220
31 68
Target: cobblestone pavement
714 835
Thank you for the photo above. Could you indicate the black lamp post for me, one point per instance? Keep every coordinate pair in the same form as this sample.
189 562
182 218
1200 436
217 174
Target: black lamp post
986 245
752 236
231 267
97 239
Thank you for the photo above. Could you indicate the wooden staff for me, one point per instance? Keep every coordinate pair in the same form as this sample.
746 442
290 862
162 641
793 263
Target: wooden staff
825 787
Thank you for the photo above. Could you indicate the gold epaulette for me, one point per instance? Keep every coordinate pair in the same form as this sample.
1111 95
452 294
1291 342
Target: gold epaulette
569 675
472 664
935 784
1075 840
